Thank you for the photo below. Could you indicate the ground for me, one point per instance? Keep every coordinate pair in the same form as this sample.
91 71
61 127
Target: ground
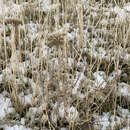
64 65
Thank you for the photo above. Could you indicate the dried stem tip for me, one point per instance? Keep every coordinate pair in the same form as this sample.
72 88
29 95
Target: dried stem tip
16 23
13 21
56 39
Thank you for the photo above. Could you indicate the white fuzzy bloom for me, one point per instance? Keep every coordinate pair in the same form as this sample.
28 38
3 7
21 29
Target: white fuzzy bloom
72 114
62 110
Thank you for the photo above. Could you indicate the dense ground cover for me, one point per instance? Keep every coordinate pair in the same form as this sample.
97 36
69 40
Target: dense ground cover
65 64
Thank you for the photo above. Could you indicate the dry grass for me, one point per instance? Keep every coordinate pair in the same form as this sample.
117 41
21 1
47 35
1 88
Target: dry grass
28 50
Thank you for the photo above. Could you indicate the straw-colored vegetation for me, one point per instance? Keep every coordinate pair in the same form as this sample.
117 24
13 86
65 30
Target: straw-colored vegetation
64 63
